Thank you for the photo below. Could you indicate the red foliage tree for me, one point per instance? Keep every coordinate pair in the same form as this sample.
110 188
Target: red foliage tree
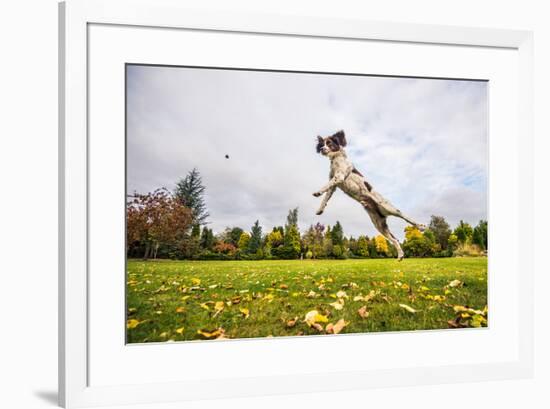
154 219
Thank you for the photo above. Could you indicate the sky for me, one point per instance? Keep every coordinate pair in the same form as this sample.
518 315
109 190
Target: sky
421 143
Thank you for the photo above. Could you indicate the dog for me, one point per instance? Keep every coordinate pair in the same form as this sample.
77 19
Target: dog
345 176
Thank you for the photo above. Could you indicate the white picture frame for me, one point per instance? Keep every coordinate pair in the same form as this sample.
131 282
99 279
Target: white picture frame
75 19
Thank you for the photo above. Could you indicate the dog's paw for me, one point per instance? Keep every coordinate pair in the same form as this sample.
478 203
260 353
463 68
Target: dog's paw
319 212
317 194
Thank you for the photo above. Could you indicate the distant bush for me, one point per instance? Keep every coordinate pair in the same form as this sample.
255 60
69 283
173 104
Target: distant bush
468 250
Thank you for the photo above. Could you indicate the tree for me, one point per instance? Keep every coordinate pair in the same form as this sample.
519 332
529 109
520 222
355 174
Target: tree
156 219
463 232
233 235
479 236
243 241
337 234
190 191
363 246
275 239
292 218
225 248
381 245
291 247
255 242
441 230
207 239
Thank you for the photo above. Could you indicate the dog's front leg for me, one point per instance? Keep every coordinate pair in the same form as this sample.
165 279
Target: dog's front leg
332 184
325 200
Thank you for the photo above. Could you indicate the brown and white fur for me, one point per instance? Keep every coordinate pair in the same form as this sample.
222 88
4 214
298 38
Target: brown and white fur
343 175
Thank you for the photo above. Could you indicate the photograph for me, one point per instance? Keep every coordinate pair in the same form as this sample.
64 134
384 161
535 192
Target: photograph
267 203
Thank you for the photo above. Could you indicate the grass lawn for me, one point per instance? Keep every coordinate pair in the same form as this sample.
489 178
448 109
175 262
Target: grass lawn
190 300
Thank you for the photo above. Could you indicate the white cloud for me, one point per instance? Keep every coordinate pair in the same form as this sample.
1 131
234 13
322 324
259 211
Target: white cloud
421 143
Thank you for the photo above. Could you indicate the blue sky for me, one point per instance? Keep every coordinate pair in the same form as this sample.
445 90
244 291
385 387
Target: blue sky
421 143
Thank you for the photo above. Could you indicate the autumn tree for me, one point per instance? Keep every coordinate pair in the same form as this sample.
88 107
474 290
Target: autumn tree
190 191
381 245
243 241
156 219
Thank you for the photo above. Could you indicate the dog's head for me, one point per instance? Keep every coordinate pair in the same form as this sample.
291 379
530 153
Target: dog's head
331 144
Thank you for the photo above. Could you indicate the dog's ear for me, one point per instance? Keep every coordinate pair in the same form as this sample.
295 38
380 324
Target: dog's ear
340 137
320 143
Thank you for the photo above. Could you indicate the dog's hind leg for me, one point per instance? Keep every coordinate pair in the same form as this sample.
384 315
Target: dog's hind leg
381 224
419 226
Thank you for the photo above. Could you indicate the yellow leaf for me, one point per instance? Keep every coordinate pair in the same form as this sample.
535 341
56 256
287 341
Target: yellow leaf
408 308
131 324
245 312
313 317
269 297
196 281
180 330
205 306
185 297
358 298
218 333
180 309
163 335
311 294
455 283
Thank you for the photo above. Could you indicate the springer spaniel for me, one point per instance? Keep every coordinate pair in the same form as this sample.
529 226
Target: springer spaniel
344 175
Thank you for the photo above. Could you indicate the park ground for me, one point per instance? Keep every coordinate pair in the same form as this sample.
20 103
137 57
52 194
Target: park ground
200 300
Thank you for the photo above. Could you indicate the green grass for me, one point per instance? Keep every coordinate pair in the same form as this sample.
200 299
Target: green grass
174 300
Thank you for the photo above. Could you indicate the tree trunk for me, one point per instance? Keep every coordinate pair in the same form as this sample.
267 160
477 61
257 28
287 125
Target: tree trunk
147 251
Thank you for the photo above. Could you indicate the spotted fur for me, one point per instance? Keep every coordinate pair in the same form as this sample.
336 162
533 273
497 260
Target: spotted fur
345 176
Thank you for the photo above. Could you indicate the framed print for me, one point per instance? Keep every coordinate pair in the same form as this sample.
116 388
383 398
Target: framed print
237 189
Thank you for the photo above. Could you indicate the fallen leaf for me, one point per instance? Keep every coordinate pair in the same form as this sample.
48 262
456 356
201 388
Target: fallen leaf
311 294
218 307
408 308
291 323
338 305
196 281
363 313
317 326
314 317
283 287
245 312
336 328
341 294
455 283
180 309
131 324
180 330
211 334
269 297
